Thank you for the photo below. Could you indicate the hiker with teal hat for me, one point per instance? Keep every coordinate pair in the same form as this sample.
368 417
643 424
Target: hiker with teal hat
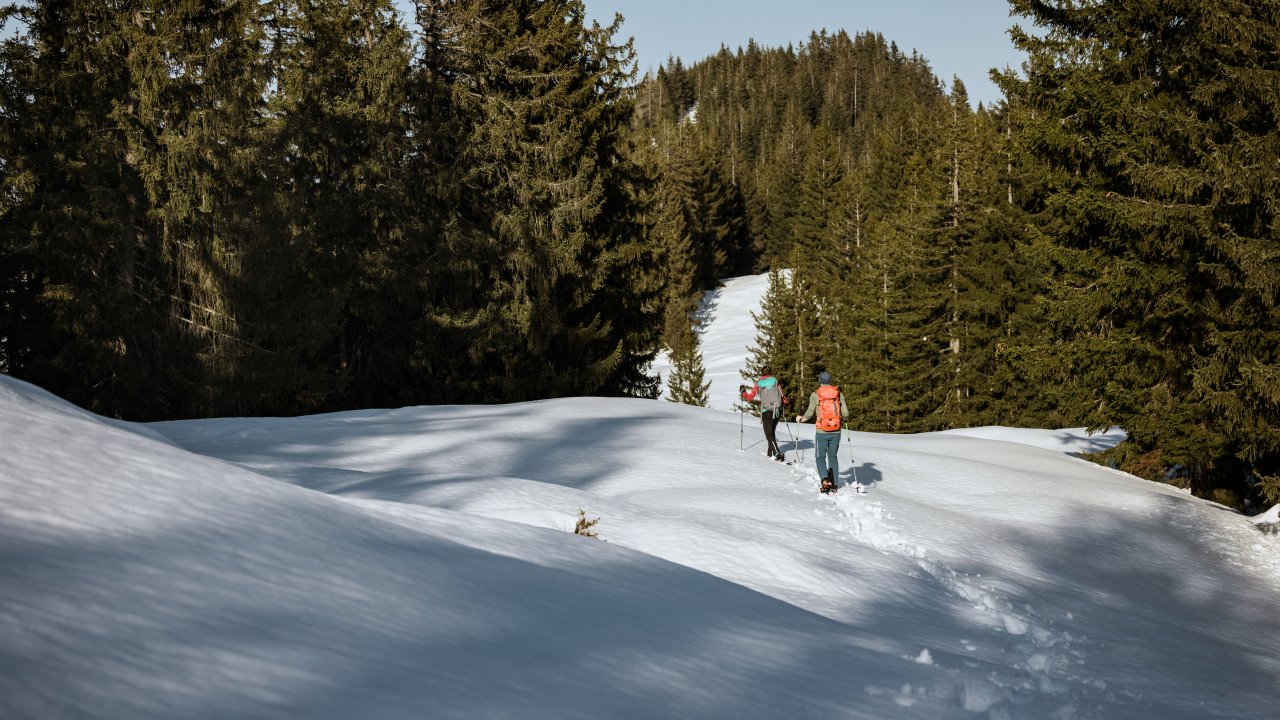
772 399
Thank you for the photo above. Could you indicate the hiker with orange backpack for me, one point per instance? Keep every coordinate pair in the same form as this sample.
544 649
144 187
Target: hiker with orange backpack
828 403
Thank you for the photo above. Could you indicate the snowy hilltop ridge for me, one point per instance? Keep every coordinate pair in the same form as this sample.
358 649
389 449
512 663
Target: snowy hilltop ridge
420 562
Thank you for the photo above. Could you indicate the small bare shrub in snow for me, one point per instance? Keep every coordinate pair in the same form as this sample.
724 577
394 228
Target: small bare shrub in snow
584 525
1223 496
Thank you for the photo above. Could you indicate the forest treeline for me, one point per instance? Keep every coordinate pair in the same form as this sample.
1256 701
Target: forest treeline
1101 248
249 208
306 205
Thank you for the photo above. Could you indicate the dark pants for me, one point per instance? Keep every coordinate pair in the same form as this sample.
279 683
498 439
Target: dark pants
770 423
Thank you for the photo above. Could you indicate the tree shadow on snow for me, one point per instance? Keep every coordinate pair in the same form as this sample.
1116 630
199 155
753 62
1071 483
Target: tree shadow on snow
1099 615
366 455
349 619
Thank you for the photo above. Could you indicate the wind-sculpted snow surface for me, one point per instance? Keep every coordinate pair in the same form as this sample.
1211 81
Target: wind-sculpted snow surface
1269 522
420 562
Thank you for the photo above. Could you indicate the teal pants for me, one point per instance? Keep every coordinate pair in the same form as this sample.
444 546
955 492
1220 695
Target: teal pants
825 447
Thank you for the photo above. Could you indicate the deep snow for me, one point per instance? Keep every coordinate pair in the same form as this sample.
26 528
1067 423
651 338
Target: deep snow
420 563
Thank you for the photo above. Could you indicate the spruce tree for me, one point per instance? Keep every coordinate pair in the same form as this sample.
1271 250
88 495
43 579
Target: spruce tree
687 382
781 176
899 280
190 123
339 139
988 282
821 258
90 310
770 347
719 222
675 205
544 97
19 288
784 332
1154 120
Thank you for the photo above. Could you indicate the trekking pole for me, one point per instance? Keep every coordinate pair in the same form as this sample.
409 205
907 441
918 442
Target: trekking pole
742 410
853 465
795 444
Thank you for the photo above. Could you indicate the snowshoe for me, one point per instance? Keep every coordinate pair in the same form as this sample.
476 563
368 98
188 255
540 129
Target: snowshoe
780 458
828 486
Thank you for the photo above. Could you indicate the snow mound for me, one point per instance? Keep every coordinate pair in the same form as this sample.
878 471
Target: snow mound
1269 521
140 580
1068 440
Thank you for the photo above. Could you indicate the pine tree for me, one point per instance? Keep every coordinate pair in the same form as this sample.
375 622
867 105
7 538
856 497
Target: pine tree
19 288
676 212
545 100
190 122
90 301
784 332
1160 222
339 139
899 280
770 323
718 217
687 382
782 176
821 259
988 282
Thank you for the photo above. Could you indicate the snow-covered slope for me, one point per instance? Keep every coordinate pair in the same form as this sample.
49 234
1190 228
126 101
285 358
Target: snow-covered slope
725 331
420 562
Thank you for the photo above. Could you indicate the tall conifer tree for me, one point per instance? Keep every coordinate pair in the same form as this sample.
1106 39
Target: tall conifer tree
339 139
190 122
544 159
687 382
822 263
95 306
1159 121
784 332
675 205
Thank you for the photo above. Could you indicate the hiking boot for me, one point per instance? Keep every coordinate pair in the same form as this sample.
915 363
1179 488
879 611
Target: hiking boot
828 486
780 457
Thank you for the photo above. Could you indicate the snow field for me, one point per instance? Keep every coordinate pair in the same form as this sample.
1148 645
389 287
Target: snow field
420 562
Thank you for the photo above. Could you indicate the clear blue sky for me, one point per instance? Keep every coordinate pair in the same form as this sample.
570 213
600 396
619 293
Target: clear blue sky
963 38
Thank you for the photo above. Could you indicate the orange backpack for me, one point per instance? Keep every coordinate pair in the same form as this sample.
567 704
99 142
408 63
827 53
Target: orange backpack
828 408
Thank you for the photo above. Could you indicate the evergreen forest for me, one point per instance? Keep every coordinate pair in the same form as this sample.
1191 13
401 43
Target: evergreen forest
279 207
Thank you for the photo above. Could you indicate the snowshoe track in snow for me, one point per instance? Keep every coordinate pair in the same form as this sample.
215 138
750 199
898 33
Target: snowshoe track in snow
1048 661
